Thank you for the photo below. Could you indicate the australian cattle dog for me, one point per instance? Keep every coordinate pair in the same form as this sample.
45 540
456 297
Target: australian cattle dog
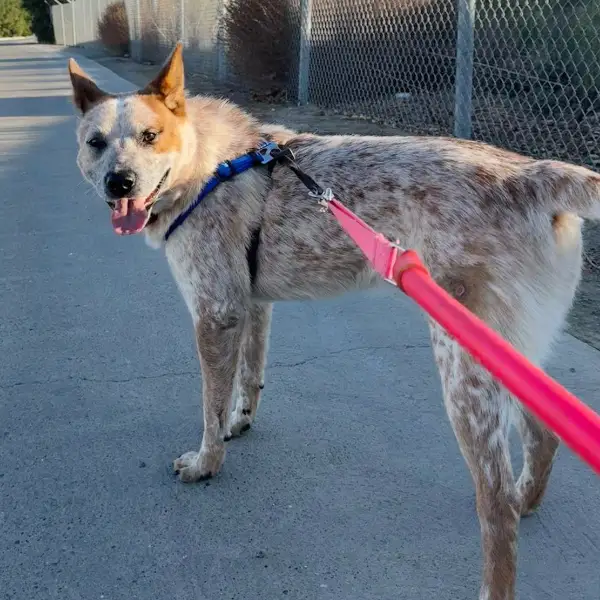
499 231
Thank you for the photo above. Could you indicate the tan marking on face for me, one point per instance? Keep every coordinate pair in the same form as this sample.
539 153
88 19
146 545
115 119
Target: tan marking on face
169 83
165 122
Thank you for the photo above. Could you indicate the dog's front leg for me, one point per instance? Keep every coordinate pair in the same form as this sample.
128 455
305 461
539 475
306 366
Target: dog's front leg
218 335
250 374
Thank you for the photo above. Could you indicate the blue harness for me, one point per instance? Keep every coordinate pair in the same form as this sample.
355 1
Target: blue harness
264 154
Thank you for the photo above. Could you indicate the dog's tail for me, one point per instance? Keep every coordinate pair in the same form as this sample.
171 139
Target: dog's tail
563 187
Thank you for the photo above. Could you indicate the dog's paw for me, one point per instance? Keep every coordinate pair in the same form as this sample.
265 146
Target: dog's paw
196 466
530 506
238 424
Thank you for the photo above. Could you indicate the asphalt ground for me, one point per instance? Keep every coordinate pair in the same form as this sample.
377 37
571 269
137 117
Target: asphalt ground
350 486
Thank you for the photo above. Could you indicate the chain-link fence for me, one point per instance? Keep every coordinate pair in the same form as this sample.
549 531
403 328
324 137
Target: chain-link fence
157 25
523 74
77 22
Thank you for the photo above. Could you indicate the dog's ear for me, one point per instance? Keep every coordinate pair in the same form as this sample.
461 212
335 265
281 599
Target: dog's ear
169 84
86 93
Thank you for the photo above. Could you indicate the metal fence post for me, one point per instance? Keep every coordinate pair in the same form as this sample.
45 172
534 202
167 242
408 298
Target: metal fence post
139 34
465 43
89 22
221 47
73 26
94 18
62 22
304 55
83 21
182 21
92 21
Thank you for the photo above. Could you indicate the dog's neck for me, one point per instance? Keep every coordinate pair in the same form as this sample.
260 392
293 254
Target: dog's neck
214 131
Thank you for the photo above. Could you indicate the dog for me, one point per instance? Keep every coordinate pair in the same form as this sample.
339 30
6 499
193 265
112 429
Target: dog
499 231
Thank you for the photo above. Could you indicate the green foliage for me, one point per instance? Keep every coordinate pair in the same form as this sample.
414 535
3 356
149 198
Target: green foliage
41 22
14 19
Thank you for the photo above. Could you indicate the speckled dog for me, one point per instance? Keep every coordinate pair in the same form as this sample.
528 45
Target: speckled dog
497 230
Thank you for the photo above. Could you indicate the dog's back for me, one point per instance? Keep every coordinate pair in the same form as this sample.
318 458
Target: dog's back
498 230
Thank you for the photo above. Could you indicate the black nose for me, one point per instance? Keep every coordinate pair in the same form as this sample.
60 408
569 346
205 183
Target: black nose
119 184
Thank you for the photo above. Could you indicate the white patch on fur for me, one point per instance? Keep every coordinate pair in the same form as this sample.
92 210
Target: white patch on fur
185 283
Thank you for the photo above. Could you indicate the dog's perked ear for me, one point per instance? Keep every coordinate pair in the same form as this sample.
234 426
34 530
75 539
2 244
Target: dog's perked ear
86 93
169 84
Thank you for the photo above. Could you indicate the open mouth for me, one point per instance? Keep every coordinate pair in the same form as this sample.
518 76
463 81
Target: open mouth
131 215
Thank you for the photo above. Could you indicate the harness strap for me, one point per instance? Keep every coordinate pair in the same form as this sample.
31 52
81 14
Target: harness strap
252 251
380 252
286 154
252 255
267 152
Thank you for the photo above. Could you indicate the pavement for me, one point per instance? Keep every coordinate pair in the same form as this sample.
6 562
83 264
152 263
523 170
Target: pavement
350 486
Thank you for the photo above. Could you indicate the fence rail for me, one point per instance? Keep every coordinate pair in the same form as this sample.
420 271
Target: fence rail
523 74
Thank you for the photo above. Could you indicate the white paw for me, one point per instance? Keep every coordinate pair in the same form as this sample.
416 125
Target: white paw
196 466
238 424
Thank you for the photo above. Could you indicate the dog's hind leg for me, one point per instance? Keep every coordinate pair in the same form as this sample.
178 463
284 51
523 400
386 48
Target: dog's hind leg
557 277
480 412
539 450
251 367
219 333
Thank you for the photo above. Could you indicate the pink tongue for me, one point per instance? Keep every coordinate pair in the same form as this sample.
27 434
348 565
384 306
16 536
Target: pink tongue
129 215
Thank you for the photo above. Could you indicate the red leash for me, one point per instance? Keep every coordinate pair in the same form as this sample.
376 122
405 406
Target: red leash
572 420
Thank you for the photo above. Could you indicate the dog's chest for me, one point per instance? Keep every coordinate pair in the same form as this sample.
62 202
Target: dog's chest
185 275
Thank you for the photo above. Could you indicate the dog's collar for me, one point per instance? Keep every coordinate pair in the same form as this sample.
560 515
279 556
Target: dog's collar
267 152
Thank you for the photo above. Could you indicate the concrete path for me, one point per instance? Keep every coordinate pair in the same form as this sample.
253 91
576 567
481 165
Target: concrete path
349 487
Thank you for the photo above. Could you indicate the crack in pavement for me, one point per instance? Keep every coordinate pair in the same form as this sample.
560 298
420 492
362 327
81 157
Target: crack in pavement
281 365
275 365
96 380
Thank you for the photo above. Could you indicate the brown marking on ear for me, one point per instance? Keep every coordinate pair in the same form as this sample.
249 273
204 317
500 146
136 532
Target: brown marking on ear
169 138
86 94
169 84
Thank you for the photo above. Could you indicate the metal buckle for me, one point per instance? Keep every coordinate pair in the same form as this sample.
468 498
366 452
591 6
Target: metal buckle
397 245
323 199
267 152
399 250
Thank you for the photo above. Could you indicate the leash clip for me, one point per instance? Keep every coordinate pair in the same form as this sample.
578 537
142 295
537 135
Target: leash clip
398 252
323 198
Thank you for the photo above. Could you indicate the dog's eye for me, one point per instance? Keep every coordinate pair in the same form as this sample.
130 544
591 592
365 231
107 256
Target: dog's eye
97 142
148 136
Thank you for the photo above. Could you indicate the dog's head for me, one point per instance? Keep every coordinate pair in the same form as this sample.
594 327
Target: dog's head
130 145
